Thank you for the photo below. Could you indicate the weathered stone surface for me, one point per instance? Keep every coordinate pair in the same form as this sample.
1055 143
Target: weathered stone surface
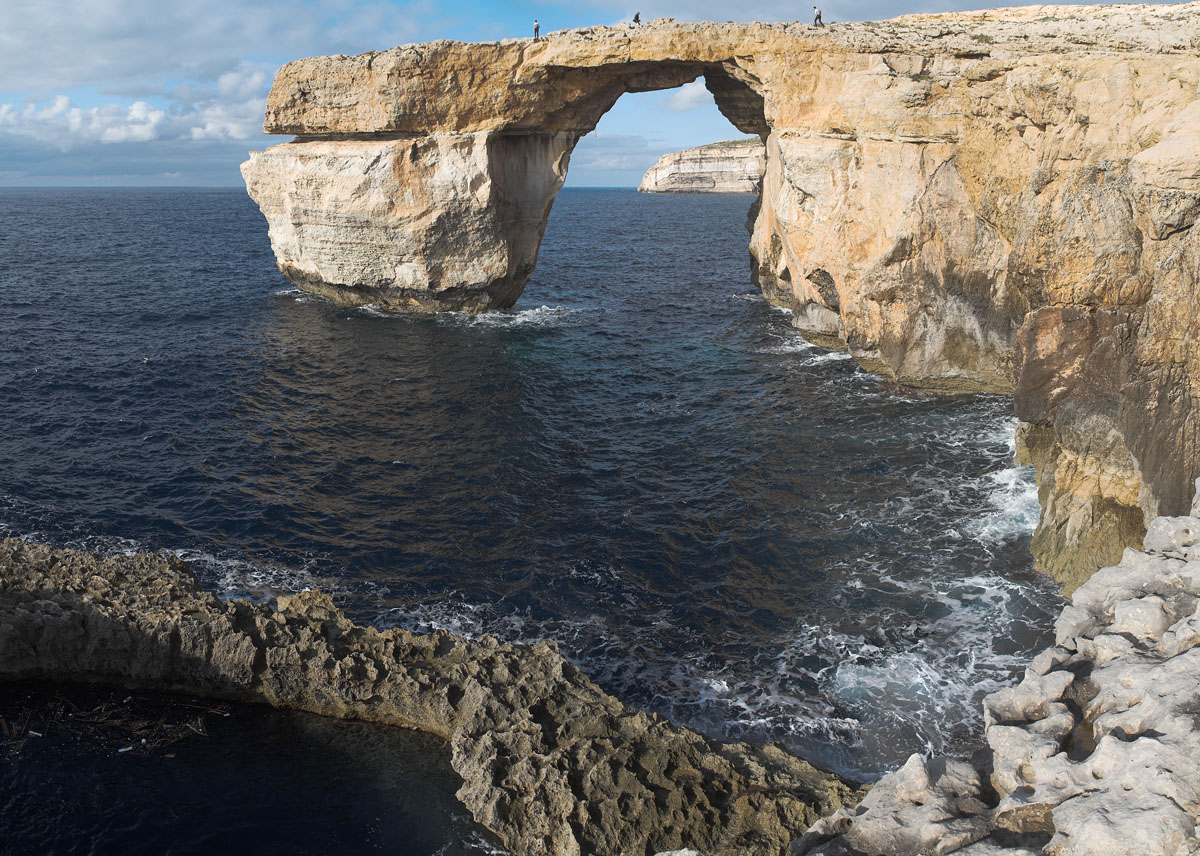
420 223
549 761
1093 753
730 166
927 806
999 200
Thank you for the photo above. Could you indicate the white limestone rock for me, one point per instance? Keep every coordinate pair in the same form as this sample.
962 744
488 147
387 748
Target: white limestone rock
1094 752
730 166
442 221
927 806
1176 537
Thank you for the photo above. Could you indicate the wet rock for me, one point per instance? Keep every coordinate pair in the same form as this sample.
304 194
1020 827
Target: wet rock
1093 752
549 761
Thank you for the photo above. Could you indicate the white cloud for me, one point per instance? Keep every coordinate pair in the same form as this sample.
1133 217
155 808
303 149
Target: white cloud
615 152
232 109
690 96
48 45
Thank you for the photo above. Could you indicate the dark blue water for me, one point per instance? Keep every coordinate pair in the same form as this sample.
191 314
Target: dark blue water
254 781
642 461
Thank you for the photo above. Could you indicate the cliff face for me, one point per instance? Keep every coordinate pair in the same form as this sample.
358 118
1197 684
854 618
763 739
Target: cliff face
731 166
999 201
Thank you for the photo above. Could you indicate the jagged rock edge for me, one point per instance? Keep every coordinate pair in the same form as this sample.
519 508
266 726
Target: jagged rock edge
549 761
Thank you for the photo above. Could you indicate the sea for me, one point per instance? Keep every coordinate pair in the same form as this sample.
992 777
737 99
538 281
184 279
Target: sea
642 461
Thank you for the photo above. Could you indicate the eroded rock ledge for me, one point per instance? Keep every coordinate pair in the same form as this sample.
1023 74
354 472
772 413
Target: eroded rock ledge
549 762
1094 753
1001 200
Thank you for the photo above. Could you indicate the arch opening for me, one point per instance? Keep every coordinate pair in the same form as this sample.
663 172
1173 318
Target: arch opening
419 201
526 175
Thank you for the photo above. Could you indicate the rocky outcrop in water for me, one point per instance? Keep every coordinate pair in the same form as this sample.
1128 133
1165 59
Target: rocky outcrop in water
549 762
730 166
1092 754
998 200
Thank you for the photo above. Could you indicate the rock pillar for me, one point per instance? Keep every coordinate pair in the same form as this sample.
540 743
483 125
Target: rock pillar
435 222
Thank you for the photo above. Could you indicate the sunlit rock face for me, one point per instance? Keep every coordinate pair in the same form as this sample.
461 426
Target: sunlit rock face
730 166
422 223
422 177
997 200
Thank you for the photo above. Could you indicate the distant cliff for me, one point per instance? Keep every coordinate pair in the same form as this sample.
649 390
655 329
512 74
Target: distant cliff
730 166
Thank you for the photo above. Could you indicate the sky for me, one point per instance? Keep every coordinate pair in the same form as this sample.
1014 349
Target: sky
147 93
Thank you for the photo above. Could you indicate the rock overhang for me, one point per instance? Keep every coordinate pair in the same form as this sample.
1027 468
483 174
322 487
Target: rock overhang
552 83
564 83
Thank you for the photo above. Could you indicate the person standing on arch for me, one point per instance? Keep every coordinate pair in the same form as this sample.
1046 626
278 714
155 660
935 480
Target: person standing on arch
817 22
537 28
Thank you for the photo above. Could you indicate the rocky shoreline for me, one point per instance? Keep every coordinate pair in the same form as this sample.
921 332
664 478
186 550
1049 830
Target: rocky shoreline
1001 200
1093 753
549 762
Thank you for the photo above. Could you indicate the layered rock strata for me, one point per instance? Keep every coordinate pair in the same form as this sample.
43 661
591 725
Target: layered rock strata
730 166
998 200
1093 753
549 762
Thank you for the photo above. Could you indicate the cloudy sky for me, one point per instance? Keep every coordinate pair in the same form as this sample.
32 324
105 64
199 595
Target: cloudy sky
142 92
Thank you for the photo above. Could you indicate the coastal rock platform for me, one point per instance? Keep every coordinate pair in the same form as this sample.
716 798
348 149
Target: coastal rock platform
1092 754
549 762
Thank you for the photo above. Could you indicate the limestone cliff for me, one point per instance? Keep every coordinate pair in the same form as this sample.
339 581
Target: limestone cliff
730 166
998 200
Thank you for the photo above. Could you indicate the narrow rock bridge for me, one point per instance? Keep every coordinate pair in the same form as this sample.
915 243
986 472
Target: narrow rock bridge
443 159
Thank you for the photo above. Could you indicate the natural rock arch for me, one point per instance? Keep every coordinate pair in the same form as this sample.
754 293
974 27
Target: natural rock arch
1000 200
444 208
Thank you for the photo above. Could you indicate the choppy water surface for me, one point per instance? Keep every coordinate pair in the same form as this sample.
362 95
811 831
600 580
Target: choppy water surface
642 461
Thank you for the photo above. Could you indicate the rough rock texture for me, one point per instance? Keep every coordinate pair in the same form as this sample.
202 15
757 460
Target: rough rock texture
549 761
730 166
1094 753
418 223
998 200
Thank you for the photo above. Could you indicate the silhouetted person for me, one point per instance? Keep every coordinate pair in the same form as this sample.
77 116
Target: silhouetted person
817 22
537 28
637 18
